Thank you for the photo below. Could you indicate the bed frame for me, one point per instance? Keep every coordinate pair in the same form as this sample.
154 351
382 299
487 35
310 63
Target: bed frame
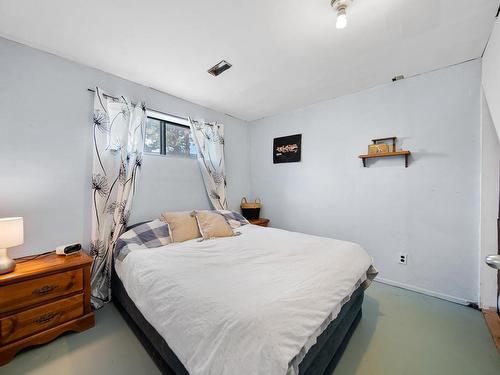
320 359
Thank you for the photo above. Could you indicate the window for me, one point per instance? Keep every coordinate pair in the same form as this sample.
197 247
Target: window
168 135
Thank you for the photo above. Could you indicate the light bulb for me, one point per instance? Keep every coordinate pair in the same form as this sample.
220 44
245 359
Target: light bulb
341 19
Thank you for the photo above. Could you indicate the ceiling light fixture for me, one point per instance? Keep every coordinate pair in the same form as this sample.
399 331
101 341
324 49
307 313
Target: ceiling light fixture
341 7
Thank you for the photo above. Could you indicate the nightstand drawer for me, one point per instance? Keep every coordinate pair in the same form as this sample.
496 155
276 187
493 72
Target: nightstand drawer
28 293
40 318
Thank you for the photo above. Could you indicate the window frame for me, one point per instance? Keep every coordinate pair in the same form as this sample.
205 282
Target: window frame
164 120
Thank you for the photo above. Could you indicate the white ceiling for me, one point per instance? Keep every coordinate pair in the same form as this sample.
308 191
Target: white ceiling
285 53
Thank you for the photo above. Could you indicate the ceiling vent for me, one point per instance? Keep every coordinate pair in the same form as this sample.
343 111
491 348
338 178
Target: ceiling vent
219 68
398 78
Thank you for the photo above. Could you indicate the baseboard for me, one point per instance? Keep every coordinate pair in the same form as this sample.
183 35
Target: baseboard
446 297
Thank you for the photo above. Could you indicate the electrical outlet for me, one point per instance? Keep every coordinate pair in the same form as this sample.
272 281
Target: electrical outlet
403 259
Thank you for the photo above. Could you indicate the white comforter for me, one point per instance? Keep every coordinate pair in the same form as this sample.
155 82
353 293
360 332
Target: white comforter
247 304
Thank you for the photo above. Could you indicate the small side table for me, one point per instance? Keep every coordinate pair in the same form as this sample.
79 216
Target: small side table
43 298
261 221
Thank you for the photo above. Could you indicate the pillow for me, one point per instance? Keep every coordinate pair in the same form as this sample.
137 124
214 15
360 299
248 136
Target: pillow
235 219
183 225
213 224
146 235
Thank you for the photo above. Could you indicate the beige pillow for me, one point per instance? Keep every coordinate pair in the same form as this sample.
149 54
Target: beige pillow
212 224
183 226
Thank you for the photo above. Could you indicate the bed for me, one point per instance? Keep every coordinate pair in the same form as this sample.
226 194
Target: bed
267 301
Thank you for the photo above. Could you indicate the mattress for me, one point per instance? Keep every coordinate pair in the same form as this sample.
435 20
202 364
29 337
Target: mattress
256 301
321 359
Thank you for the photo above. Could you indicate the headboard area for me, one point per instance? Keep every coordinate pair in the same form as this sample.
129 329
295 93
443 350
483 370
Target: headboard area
136 225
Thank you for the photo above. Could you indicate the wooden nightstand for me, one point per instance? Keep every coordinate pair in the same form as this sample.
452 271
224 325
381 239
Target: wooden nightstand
43 298
260 221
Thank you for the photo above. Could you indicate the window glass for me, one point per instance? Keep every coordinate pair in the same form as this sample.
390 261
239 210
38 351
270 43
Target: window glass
152 143
168 138
179 140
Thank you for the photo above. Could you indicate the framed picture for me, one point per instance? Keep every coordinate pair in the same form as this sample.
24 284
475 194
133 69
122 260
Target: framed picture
287 149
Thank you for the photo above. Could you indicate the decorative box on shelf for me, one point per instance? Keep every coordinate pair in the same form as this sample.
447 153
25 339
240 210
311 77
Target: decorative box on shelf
379 148
43 298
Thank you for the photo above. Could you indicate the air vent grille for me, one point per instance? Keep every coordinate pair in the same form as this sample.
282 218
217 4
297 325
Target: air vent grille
219 68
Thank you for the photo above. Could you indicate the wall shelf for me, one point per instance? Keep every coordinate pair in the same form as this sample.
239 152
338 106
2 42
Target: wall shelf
406 154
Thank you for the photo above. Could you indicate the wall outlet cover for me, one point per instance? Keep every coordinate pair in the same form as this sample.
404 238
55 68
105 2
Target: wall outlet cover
403 259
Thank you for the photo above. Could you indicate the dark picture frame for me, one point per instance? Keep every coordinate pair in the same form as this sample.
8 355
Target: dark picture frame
287 149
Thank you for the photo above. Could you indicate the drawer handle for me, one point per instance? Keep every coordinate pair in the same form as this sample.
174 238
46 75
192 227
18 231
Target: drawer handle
45 318
46 289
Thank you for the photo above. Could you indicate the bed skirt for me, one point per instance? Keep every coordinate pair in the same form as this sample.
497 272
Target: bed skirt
320 359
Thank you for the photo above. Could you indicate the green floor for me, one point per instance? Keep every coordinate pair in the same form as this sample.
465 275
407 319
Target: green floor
401 333
407 333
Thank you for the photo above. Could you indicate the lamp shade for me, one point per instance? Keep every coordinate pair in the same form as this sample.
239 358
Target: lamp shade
11 232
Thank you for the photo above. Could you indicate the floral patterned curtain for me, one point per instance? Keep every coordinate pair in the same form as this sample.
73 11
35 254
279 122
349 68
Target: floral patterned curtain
209 139
118 142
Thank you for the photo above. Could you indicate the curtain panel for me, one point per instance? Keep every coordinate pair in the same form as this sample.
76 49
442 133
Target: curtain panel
209 140
118 142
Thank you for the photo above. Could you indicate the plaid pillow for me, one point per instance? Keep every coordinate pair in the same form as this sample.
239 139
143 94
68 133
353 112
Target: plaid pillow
151 234
235 219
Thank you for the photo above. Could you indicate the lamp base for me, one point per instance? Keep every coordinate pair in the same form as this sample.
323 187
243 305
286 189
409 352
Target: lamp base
6 264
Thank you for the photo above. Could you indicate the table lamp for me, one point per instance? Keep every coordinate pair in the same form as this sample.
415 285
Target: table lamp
11 234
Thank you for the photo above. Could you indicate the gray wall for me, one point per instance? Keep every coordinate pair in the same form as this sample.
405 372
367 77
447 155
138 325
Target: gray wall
490 179
490 165
429 211
45 149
